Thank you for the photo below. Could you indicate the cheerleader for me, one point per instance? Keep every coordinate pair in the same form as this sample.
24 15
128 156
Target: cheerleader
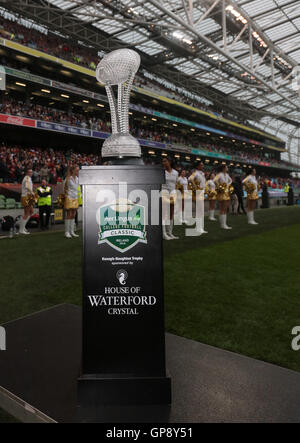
197 180
223 182
182 186
171 177
251 187
71 200
212 196
27 191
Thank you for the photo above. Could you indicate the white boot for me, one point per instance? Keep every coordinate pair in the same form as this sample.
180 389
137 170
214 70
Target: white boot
164 230
170 231
212 215
22 229
202 226
221 218
68 228
26 230
225 222
182 219
197 231
72 229
251 220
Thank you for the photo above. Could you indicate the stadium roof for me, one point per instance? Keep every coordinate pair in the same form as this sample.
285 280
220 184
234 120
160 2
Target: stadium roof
241 55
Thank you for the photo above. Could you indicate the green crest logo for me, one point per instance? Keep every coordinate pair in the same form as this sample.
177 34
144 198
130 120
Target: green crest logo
122 225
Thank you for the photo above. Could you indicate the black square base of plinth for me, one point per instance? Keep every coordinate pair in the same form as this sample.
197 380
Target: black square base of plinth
97 391
39 380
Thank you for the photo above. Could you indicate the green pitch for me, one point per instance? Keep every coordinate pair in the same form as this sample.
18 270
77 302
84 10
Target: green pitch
238 290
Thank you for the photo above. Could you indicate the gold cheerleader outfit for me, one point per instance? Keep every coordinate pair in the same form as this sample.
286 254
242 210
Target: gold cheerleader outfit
71 193
28 197
182 186
168 199
210 190
251 187
224 187
169 188
197 183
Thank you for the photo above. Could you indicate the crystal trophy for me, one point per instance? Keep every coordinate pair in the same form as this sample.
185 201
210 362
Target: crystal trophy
118 68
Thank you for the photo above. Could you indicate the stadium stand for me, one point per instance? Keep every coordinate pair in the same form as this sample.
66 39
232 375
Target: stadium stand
211 133
143 129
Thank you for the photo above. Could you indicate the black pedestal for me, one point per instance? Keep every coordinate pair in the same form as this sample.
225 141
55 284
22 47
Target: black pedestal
123 354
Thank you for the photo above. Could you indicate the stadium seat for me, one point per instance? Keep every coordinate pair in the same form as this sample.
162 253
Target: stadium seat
10 203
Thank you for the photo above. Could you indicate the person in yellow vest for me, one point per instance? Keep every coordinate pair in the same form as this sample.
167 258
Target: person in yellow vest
44 204
287 188
79 195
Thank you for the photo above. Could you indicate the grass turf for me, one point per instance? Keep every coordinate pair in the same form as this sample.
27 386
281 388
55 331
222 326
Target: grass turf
238 290
241 295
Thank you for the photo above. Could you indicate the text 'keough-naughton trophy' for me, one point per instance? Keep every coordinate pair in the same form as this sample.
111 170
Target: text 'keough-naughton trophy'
118 68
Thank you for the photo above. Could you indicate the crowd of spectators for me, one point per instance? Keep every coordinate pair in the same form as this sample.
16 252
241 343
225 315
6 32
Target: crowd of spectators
45 113
52 165
48 43
143 129
49 164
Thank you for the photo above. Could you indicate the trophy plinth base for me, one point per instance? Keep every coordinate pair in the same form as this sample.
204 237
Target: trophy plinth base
96 390
120 146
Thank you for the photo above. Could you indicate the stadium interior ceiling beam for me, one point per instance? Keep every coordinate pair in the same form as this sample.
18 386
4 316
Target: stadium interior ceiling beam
269 11
228 103
249 25
279 23
276 50
271 46
281 83
223 51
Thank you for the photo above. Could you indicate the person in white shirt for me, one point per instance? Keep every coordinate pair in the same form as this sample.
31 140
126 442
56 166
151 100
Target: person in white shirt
212 196
27 191
223 182
182 186
197 179
251 187
169 196
71 200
